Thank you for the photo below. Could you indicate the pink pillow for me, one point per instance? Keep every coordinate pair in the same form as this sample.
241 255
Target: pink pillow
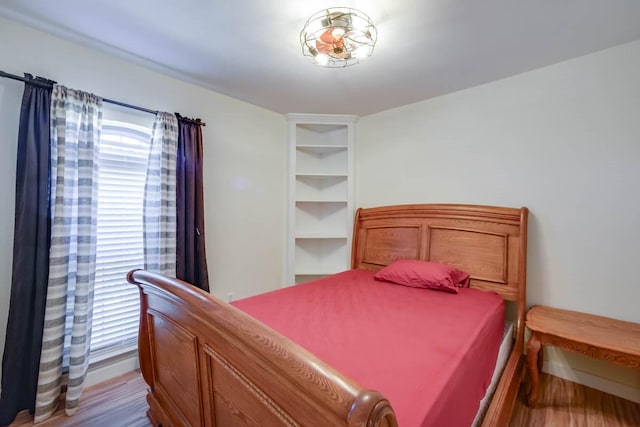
424 274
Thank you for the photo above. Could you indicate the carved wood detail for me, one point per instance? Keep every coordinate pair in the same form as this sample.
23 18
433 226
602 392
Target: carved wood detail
249 386
592 351
385 244
183 345
460 247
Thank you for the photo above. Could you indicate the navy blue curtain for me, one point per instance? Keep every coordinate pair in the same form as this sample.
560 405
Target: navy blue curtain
32 236
191 258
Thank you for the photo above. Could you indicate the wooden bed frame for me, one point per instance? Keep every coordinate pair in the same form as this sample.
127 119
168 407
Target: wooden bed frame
208 363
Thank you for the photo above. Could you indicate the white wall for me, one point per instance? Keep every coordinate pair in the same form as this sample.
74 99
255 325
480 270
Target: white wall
244 150
10 96
565 142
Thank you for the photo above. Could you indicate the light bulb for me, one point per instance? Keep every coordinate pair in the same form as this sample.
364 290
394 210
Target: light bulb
322 59
337 33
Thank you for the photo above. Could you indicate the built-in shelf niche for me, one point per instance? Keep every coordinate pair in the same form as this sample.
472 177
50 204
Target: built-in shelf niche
320 195
331 162
317 256
330 188
317 219
319 134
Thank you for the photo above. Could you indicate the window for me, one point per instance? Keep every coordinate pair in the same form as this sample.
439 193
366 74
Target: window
124 149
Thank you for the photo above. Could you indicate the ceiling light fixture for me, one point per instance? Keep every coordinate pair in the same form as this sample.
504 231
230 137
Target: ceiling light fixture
338 37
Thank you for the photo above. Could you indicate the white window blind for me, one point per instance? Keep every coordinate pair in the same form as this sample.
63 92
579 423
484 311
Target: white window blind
124 150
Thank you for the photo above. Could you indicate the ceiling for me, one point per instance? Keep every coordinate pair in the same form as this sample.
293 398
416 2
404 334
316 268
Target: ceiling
249 49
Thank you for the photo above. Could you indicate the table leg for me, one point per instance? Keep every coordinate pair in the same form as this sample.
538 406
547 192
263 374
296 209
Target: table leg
533 350
540 359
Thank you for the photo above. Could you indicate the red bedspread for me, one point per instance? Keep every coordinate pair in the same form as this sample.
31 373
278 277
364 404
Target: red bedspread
430 353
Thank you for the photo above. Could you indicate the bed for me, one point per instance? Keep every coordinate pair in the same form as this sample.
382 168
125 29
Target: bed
209 363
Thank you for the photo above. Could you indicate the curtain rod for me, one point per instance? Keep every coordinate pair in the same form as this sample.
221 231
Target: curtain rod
110 101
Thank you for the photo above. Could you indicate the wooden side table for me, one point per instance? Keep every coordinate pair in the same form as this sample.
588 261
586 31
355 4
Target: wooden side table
596 336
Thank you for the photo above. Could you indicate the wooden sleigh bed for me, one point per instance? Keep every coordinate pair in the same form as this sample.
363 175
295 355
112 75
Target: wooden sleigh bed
208 363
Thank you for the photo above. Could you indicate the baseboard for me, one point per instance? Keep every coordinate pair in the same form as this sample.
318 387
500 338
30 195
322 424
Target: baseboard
603 384
105 371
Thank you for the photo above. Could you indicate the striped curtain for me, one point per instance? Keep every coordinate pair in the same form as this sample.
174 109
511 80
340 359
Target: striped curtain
76 120
160 197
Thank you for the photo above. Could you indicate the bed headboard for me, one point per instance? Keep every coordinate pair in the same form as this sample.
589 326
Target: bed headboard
490 243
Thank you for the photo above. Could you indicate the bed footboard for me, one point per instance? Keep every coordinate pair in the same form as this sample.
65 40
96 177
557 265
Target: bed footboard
208 363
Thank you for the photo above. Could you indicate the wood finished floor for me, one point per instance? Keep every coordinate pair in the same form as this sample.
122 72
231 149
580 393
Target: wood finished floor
120 402
567 404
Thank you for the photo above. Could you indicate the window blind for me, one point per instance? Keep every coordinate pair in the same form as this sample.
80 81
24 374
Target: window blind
124 151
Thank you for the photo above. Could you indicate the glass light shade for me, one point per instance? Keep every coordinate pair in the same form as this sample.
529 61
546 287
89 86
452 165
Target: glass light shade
338 37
